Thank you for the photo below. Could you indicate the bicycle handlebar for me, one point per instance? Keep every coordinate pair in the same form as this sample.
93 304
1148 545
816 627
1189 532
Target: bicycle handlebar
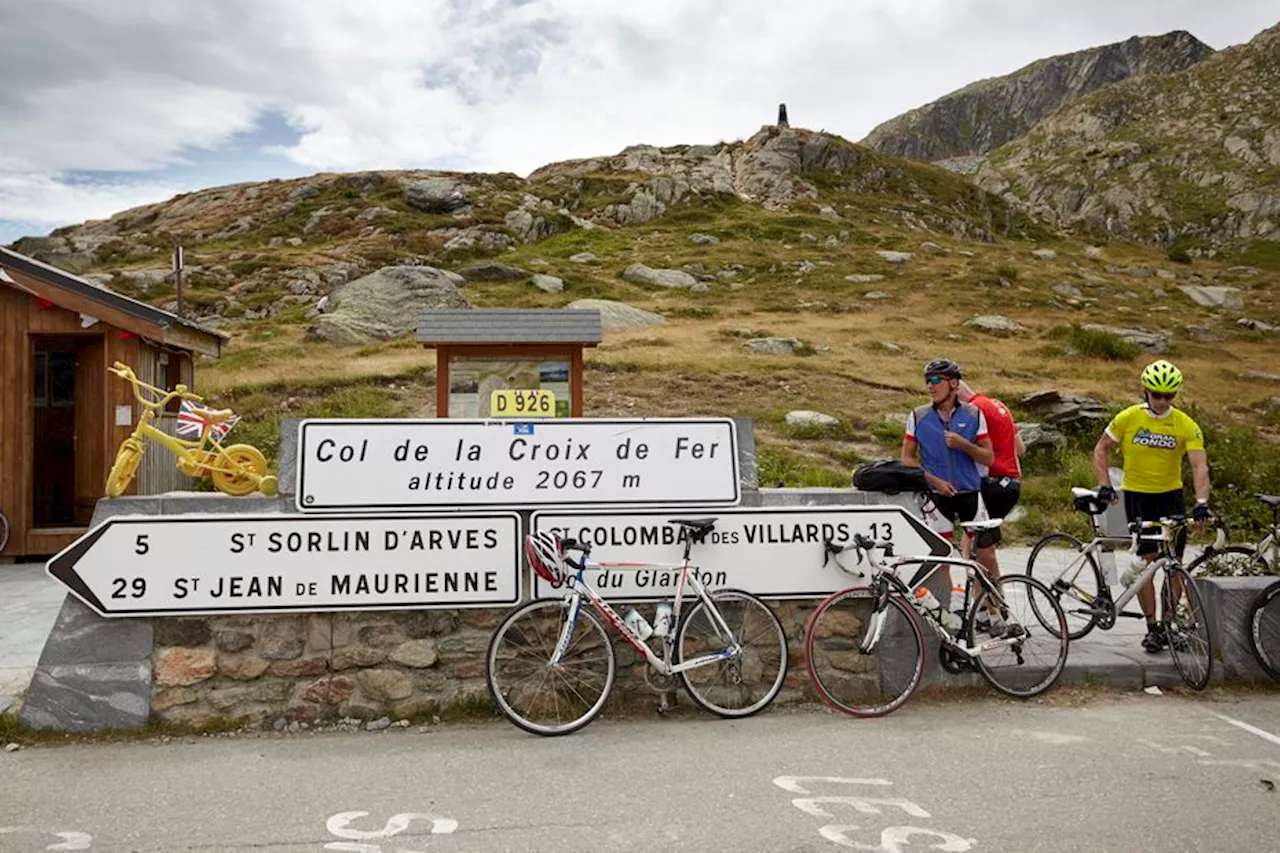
865 546
124 371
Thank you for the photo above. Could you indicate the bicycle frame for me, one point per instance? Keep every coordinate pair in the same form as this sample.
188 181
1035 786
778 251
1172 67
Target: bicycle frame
884 577
579 587
194 452
1097 544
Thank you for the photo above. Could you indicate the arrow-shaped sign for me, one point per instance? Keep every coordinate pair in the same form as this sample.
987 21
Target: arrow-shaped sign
153 566
775 552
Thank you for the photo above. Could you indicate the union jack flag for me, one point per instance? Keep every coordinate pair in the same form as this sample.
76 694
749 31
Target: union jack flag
191 423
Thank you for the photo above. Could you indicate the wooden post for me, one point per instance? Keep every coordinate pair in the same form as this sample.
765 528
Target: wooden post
177 275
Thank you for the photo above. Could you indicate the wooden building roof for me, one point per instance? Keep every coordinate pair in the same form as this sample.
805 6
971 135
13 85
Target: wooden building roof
79 294
510 326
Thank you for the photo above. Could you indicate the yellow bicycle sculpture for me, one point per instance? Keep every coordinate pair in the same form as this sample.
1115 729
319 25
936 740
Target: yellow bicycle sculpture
238 469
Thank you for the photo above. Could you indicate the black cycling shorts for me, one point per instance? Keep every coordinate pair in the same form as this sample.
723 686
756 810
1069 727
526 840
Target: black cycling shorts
1153 506
1000 494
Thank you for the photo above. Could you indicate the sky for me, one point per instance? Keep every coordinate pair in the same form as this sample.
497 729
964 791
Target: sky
108 104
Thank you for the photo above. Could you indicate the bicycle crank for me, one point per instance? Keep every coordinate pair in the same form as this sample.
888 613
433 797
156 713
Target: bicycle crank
952 661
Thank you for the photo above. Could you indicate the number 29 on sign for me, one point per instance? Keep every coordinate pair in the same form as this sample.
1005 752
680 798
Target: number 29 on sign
523 402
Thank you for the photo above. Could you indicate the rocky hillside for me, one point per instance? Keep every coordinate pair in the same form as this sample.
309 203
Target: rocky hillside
794 278
960 127
1187 161
264 250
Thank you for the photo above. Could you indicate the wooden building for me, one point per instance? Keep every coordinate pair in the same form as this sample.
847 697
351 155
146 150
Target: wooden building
481 350
62 415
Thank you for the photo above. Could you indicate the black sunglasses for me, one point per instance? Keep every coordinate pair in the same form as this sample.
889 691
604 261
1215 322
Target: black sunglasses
1157 395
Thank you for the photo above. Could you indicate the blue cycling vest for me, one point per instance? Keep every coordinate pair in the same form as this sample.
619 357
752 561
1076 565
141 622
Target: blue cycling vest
953 465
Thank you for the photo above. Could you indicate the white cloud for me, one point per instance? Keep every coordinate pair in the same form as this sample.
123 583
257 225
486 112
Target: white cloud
52 198
501 84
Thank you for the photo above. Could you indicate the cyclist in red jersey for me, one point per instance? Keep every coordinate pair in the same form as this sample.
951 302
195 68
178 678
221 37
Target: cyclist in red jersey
1002 480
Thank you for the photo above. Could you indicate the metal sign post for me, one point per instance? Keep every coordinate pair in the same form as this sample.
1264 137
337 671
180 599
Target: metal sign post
346 465
177 565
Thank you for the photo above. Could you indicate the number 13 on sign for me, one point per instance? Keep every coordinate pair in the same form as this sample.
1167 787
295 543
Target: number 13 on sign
522 402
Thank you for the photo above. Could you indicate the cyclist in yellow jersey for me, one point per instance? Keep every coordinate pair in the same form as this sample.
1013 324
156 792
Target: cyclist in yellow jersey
1153 438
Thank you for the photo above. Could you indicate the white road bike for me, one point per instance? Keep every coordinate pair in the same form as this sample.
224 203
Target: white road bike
550 665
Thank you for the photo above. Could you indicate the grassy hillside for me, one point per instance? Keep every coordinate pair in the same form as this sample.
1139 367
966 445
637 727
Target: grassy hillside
778 268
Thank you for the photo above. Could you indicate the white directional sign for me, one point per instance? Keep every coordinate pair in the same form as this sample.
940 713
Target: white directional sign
776 553
413 464
151 566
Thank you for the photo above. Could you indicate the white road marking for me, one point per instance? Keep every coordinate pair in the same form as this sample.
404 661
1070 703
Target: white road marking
792 783
1251 763
894 838
866 805
1253 730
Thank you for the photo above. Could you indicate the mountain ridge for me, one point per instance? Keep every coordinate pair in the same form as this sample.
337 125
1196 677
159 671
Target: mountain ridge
987 113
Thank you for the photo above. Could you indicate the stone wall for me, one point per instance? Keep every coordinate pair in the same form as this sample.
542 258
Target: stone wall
365 665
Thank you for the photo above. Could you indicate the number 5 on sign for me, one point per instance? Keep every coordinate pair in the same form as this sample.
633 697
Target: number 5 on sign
522 402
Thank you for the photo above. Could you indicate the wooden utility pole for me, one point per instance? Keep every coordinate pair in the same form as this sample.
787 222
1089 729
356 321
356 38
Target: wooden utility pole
177 274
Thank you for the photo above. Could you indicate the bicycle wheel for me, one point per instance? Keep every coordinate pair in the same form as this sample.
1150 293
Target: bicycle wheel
123 469
1187 624
1073 577
742 684
4 532
246 466
1264 629
529 691
1025 658
861 684
1233 561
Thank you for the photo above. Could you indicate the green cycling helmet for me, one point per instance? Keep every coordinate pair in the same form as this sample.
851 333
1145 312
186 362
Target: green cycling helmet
1161 377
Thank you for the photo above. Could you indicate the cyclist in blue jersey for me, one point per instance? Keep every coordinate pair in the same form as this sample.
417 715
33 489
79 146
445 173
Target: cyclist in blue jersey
948 439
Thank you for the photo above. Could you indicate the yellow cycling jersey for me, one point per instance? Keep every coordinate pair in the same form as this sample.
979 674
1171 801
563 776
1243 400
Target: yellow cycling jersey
1153 447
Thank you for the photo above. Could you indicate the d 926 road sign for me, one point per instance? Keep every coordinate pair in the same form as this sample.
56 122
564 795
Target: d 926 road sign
156 565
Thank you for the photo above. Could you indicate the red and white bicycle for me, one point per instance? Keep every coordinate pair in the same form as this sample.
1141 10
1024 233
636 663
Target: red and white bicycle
550 665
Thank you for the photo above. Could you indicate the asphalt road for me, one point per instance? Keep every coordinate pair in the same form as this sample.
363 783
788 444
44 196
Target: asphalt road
1129 772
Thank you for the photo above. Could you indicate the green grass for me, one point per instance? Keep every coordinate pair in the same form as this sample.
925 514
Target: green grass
783 468
1262 253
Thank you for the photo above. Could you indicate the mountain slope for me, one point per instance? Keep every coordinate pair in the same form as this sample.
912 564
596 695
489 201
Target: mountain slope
1192 157
986 114
256 250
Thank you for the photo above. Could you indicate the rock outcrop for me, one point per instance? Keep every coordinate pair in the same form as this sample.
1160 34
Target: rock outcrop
960 127
1190 158
386 304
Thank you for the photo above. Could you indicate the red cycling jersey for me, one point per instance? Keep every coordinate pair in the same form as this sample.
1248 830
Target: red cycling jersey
1003 432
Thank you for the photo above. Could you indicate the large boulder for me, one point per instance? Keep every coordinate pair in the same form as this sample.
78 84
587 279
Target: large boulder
436 195
641 274
385 304
1065 410
618 315
494 271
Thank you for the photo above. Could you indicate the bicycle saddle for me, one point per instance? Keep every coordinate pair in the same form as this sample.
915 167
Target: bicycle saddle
214 416
1272 500
700 525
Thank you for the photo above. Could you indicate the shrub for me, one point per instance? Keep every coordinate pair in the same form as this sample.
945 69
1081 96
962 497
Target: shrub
1093 343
